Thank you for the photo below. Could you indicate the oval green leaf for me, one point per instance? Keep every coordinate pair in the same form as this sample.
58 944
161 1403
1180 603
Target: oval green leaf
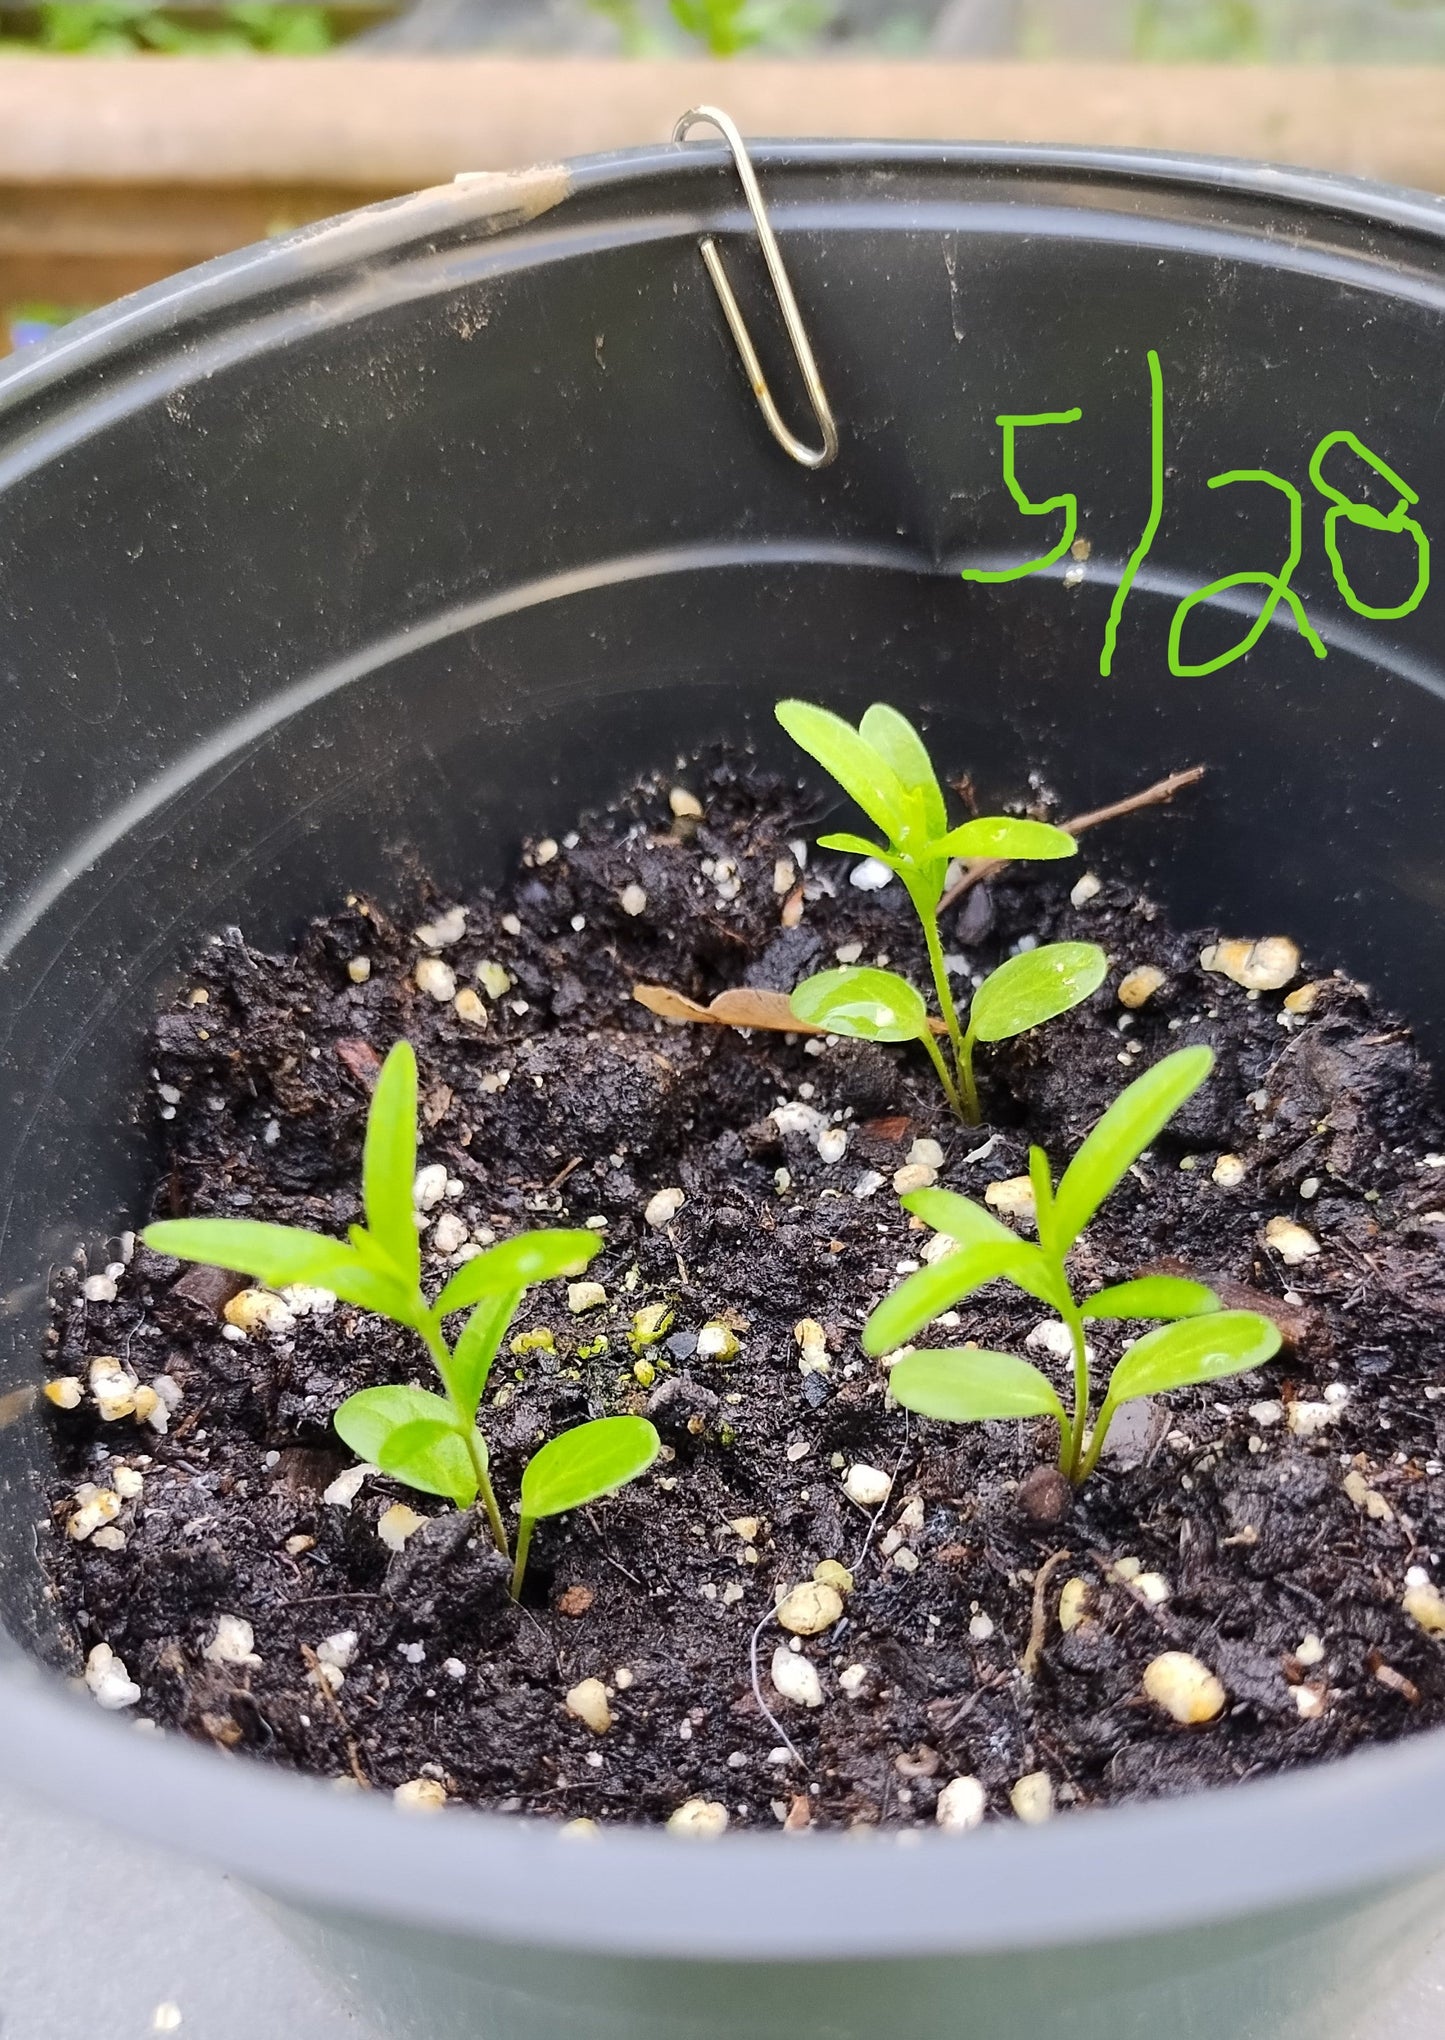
965 1386
920 1297
388 1163
1035 987
1005 836
586 1463
1198 1349
1131 1124
367 1419
516 1264
898 743
853 762
432 1457
870 1005
1152 1296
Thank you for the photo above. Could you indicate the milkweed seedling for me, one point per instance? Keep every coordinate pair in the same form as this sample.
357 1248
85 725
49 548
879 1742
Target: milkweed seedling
884 766
430 1442
1198 1341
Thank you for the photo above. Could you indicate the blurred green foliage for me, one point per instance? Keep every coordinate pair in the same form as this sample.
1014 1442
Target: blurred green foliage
725 28
117 28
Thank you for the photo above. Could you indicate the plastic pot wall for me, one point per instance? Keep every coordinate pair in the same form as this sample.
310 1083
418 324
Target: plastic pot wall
426 527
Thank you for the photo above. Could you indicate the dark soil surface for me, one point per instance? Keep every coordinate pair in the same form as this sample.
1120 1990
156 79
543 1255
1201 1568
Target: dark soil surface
1284 1512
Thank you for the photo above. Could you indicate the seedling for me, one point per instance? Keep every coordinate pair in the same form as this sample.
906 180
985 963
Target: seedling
429 1441
884 766
1196 1342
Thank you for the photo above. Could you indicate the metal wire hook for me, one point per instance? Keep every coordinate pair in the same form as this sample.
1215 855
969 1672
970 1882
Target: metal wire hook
806 456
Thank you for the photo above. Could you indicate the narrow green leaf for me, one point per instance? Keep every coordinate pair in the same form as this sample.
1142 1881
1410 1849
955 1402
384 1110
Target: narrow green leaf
1005 836
432 1457
1042 1182
972 1225
870 1005
857 767
366 1420
858 846
1035 987
274 1254
920 1297
476 1349
1152 1296
1131 1124
1195 1350
586 1463
388 1163
896 741
967 1386
516 1264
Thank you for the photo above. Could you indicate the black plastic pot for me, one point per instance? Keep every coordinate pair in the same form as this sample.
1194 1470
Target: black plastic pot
433 523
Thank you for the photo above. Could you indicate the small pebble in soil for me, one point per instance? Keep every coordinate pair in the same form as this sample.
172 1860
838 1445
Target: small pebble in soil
830 1572
359 969
1012 1198
1229 1171
811 1340
1074 1603
397 1524
796 1678
1425 1605
1085 889
1184 1687
633 900
685 806
1264 966
584 1296
663 1206
868 1486
698 1819
110 1683
870 875
717 1341
1139 987
347 1486
1294 1243
65 1392
113 1387
234 1642
437 979
588 1701
961 1806
470 1008
1032 1798
1045 1496
259 1310
95 1506
420 1795
810 1608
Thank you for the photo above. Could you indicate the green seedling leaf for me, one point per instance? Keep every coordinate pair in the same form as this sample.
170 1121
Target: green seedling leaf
388 1163
860 770
970 1224
967 1386
896 741
1004 836
918 1299
1198 1349
871 1005
584 1464
1152 1296
476 1349
432 1457
274 1254
366 1420
858 846
1131 1124
1035 987
516 1264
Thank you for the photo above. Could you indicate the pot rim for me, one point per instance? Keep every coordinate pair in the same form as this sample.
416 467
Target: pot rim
1367 1820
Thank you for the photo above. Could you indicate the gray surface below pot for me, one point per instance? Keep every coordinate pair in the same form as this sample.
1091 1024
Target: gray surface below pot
97 1935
